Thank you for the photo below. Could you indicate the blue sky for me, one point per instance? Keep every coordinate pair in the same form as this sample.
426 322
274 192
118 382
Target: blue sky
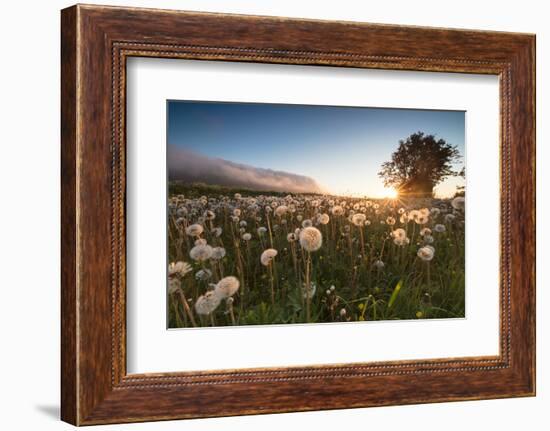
342 148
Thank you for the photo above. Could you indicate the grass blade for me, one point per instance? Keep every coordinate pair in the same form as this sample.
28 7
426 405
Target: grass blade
395 293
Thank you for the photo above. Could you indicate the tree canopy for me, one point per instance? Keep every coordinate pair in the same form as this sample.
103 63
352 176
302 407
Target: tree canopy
419 164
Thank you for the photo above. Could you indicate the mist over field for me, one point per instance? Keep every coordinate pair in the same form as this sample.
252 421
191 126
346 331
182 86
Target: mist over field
189 166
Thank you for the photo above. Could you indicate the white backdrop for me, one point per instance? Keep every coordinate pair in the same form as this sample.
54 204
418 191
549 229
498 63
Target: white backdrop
29 220
151 348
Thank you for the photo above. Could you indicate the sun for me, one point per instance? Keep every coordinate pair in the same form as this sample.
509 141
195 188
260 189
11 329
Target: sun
390 193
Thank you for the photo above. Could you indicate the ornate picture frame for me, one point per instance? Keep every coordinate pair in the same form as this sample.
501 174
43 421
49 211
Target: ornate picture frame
96 42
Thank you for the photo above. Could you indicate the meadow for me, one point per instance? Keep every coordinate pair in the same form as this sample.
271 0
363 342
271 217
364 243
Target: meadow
242 257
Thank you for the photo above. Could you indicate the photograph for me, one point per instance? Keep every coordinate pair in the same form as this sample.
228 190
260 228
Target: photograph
296 214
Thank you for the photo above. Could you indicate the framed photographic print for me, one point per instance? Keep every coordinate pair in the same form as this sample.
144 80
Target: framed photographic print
325 214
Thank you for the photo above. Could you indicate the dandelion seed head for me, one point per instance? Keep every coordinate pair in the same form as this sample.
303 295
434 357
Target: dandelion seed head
323 218
359 219
378 264
174 284
399 233
218 253
194 230
281 210
203 274
179 268
440 228
267 256
337 210
246 237
307 223
201 252
209 215
311 239
449 218
425 231
207 303
227 286
459 203
426 253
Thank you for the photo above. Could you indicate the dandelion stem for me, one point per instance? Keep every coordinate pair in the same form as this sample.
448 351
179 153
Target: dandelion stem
186 308
308 288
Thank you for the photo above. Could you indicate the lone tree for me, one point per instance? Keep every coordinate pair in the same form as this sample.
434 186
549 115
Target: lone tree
419 164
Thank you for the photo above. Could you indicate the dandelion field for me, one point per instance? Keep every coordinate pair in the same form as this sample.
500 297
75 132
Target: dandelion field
244 257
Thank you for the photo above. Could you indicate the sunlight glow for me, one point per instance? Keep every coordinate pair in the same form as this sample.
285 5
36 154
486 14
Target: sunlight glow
390 193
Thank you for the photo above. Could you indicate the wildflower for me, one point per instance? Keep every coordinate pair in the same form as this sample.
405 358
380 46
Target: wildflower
238 196
358 219
425 231
440 228
174 284
419 314
458 203
422 219
209 215
227 286
337 210
194 230
218 253
323 218
201 241
261 231
449 218
201 252
378 264
343 312
307 223
291 237
246 237
426 253
311 239
281 210
390 221
401 241
217 231
203 274
207 303
236 212
399 233
267 256
428 239
424 212
243 223
332 288
179 268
